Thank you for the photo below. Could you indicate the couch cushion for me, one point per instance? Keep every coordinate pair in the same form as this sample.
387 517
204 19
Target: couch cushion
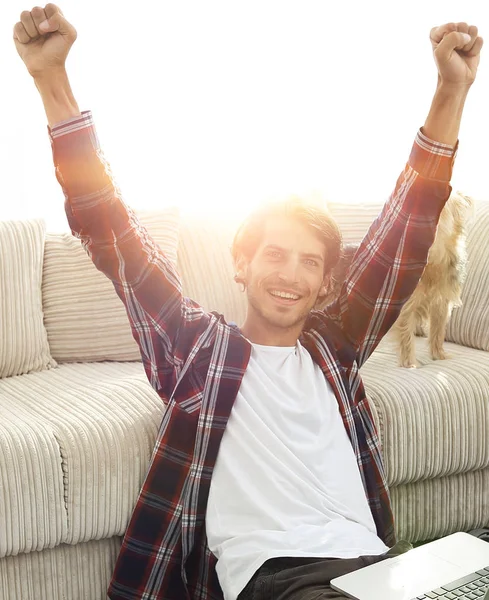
85 319
23 341
434 419
469 324
75 444
206 266
80 572
354 220
433 508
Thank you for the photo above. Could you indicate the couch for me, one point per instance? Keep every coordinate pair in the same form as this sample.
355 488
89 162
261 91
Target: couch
78 419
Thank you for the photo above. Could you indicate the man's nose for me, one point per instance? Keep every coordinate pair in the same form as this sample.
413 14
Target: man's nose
289 272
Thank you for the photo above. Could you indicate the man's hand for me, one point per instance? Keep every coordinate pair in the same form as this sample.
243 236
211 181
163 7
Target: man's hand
43 38
456 48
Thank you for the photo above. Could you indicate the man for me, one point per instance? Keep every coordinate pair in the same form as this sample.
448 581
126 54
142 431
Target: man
267 479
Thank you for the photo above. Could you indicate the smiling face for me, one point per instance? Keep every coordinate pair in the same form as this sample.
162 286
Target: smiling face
283 281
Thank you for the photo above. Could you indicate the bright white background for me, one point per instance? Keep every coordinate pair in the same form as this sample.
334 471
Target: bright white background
219 105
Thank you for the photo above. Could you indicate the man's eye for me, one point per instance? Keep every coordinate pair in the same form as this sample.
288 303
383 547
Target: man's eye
273 253
312 262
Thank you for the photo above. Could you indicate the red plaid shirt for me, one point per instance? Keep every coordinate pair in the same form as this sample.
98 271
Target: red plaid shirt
196 361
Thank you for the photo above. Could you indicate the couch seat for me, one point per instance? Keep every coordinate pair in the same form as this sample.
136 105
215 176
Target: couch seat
75 443
434 420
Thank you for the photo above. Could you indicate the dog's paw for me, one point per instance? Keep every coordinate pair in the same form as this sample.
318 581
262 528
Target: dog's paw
408 364
441 355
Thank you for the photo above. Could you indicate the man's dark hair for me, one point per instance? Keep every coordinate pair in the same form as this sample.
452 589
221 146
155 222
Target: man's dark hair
318 219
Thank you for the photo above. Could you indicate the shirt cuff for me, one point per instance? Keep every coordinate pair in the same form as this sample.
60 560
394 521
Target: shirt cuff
82 121
72 138
431 159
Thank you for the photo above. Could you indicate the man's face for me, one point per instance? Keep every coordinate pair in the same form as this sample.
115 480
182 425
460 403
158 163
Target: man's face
289 260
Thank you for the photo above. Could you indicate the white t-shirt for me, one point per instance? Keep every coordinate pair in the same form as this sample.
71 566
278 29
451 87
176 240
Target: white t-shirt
286 481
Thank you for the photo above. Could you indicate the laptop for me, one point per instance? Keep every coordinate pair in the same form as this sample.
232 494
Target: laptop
456 566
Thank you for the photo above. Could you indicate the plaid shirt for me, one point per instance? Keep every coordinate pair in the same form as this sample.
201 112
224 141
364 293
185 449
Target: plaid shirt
196 361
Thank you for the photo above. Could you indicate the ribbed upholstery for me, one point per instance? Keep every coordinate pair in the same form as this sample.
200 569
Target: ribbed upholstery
23 340
354 220
84 317
75 444
206 267
469 324
434 419
32 506
80 572
432 508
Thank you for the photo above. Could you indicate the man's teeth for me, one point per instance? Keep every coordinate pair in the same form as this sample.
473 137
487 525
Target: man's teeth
285 295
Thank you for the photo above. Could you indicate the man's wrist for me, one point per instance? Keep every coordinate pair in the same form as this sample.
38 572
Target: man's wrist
443 122
450 89
55 90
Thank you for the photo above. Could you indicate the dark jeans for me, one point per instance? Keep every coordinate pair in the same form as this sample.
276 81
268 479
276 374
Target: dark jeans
307 578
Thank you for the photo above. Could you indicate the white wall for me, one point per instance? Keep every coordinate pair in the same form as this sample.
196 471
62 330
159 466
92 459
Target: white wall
222 104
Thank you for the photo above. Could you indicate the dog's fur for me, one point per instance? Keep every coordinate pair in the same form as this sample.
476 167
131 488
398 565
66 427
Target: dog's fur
429 308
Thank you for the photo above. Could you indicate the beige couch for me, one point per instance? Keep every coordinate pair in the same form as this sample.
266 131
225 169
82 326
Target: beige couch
78 419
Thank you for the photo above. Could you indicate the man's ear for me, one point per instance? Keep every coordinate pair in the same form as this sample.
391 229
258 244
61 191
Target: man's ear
240 268
324 290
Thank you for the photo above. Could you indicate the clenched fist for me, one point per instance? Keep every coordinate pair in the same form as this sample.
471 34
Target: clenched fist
43 38
456 47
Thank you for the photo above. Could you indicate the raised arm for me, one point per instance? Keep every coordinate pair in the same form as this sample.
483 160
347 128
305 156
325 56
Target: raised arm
391 258
43 38
164 324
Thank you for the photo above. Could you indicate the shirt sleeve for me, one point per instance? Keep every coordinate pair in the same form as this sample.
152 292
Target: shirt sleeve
163 323
392 256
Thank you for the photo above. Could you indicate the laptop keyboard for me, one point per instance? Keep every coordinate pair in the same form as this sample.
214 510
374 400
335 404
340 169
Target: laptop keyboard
470 587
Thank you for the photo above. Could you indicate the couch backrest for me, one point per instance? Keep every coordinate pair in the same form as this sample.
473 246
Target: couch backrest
469 324
86 321
354 220
84 318
23 341
206 267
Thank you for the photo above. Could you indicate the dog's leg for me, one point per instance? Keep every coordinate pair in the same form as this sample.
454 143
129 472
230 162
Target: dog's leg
421 329
405 327
439 314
